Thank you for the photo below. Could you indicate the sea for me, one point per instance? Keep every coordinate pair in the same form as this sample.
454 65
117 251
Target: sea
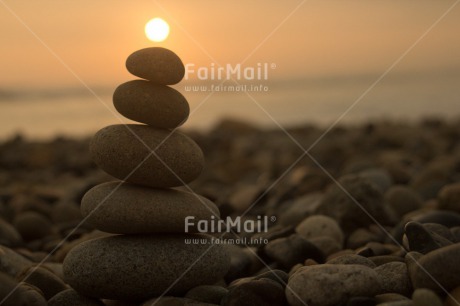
79 112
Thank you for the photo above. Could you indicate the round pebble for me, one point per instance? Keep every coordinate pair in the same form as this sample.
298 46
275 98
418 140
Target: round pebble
453 299
14 294
449 197
398 303
320 226
352 259
379 177
122 208
70 297
360 237
172 301
394 278
403 199
66 212
299 209
389 298
275 275
292 250
156 64
313 284
384 259
207 294
43 279
425 297
156 105
241 263
177 159
9 236
137 267
442 265
361 301
422 240
32 225
255 292
11 262
443 217
350 216
327 245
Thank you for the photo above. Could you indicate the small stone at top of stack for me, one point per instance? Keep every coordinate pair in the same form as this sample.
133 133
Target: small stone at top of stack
150 101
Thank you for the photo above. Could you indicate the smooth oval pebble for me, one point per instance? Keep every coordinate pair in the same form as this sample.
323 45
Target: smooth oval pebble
9 236
122 208
422 240
156 105
138 267
453 299
159 65
170 301
426 297
207 294
394 278
320 226
44 280
32 225
11 262
443 217
449 197
70 297
292 250
177 159
441 265
19 294
255 292
403 199
328 285
352 259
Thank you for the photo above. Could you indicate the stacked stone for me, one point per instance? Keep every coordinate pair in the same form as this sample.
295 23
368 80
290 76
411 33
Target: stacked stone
150 256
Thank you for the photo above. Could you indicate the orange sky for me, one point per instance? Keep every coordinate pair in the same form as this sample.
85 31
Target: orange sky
321 39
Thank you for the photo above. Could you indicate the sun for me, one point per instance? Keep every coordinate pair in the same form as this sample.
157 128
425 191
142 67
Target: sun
157 29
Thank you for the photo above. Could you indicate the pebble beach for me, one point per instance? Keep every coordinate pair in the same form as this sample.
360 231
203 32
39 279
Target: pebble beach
370 217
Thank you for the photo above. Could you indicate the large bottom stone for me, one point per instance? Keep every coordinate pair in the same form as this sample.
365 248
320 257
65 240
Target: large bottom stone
140 267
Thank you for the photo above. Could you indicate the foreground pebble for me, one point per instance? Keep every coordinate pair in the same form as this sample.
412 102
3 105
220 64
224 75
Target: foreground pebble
425 297
70 297
140 267
320 226
394 278
312 285
338 204
255 292
19 294
442 265
207 294
293 250
43 279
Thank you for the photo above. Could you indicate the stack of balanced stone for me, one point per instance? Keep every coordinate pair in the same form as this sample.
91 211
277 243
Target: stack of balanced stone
149 255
